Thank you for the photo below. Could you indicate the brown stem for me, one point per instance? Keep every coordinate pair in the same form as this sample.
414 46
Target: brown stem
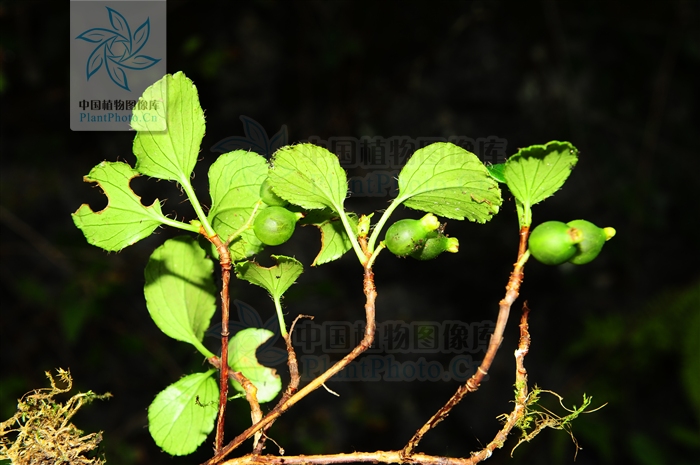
370 296
225 262
473 383
251 392
397 456
293 382
251 395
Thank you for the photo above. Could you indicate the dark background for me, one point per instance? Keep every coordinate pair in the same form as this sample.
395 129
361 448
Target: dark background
617 79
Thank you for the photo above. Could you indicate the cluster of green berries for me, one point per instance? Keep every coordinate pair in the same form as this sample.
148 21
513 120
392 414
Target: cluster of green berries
577 242
421 239
551 243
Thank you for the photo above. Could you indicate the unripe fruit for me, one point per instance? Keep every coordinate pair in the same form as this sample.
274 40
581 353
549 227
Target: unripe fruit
435 244
269 197
554 242
275 225
592 243
407 236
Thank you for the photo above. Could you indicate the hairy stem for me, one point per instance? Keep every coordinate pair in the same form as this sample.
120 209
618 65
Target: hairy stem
187 187
380 224
472 384
352 235
245 225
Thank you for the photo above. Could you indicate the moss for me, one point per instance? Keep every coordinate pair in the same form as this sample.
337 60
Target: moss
41 432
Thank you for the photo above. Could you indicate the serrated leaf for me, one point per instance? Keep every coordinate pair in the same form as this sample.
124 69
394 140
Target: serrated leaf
169 136
538 171
180 290
309 176
182 415
276 279
497 172
242 358
449 181
334 239
125 220
234 182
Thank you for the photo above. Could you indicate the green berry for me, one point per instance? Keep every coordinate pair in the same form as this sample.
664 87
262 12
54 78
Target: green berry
268 195
435 244
275 225
407 236
554 242
594 239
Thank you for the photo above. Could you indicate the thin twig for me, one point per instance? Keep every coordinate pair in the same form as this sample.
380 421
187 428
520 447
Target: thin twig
251 395
521 386
370 296
472 384
251 392
423 459
293 382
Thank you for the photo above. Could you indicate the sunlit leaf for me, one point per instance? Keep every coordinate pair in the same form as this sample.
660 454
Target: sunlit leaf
309 176
334 239
169 133
234 184
242 358
449 181
538 171
125 220
276 279
182 415
180 290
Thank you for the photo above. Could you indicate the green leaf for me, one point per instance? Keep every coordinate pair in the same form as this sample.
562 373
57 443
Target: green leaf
497 172
180 291
276 279
235 179
242 358
182 415
309 176
234 182
125 220
334 239
538 171
168 139
449 181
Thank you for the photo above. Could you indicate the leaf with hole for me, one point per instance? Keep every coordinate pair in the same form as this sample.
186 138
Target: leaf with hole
241 350
334 239
275 279
125 220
